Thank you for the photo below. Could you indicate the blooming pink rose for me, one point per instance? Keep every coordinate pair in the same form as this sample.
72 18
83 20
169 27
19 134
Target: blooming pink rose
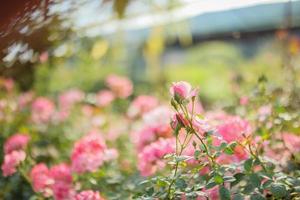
42 110
181 90
104 98
16 142
121 86
11 161
88 153
88 195
41 180
141 105
150 159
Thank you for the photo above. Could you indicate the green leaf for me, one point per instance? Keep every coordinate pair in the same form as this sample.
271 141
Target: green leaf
256 196
238 197
180 183
278 190
224 193
218 179
248 164
228 151
255 180
238 177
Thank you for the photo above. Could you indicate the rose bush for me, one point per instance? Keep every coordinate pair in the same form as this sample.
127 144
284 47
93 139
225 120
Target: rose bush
114 144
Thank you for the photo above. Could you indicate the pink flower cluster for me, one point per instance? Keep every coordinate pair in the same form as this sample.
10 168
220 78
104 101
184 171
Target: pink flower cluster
42 110
88 195
121 86
12 161
14 153
17 141
150 159
88 153
56 182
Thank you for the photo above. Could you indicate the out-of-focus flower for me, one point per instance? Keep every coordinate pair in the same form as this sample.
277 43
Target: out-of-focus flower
41 180
292 142
88 153
198 108
150 158
149 134
62 187
234 128
110 154
42 110
201 125
181 90
69 98
7 83
88 195
11 161
56 182
141 105
264 112
24 99
121 86
244 100
16 142
157 116
104 98
44 57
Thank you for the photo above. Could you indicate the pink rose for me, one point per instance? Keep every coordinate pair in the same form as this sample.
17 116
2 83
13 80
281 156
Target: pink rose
88 153
88 195
11 161
181 90
16 142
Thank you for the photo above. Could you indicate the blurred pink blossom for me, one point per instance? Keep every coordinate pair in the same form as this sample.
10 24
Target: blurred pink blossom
121 86
141 105
62 187
110 154
104 98
42 110
24 99
68 98
16 142
150 159
244 100
44 57
264 112
88 152
41 180
56 182
234 128
292 142
11 161
88 195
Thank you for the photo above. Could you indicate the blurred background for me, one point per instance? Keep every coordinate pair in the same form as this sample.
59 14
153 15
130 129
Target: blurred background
219 45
